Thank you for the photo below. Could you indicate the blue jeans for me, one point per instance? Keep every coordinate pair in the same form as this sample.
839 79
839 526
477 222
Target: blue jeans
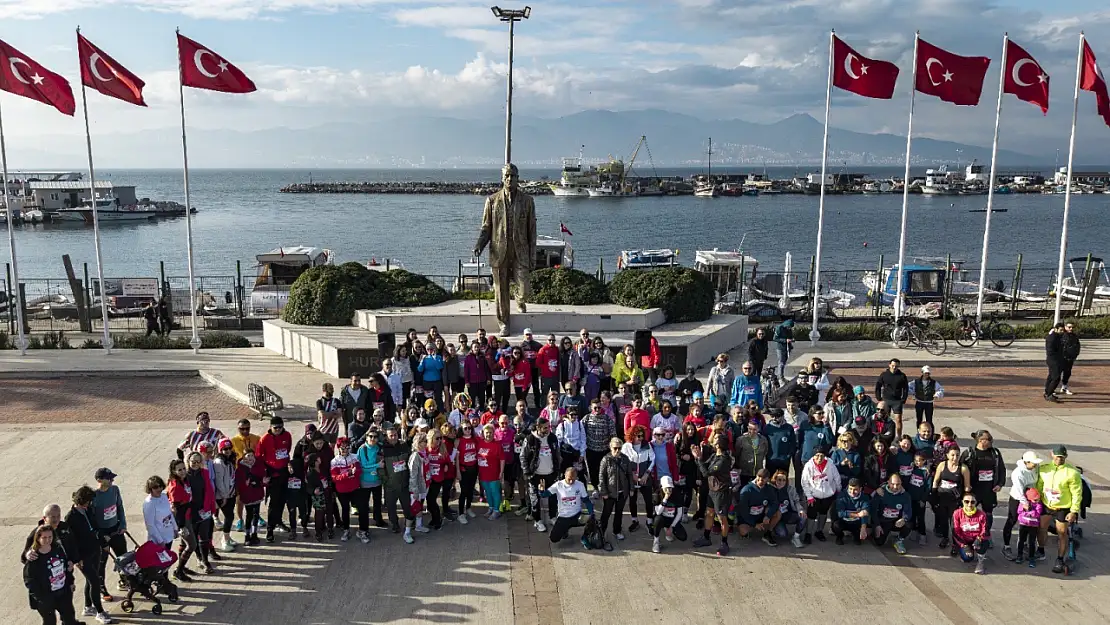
783 352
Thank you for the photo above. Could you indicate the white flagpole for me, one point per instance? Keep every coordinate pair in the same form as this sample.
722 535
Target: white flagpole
814 333
905 192
990 190
195 341
106 342
1067 186
17 301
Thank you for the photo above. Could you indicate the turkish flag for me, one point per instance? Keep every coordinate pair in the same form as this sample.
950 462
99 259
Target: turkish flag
1092 80
861 75
101 72
202 68
21 75
1024 77
564 229
950 77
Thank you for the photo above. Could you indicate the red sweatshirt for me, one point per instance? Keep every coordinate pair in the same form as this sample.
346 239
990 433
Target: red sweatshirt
547 359
274 451
468 452
248 481
520 373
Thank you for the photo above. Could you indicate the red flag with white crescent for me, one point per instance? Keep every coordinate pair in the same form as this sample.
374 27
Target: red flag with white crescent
22 75
1024 77
102 73
202 68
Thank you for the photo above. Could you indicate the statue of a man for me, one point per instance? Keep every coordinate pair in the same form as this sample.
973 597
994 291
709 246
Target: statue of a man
509 227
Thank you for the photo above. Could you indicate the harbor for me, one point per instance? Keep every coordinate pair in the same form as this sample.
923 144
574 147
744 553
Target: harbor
66 198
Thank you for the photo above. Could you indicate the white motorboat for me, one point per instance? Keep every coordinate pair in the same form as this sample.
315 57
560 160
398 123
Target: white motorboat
1072 285
108 210
278 269
706 189
646 259
385 264
574 182
609 190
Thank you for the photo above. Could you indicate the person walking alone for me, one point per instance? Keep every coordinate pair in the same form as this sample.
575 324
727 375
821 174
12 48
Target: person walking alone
1069 351
1054 358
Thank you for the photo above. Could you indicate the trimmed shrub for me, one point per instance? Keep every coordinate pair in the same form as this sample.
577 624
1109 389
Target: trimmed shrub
412 289
569 287
683 293
329 295
219 339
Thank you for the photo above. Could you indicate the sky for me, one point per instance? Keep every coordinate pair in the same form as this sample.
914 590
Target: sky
320 61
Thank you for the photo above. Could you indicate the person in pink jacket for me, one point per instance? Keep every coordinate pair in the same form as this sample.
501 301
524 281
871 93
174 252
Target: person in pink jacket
969 530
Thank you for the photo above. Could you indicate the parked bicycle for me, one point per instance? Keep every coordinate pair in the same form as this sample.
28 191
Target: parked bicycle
970 331
915 331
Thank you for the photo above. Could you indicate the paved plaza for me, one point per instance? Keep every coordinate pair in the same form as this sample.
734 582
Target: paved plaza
60 423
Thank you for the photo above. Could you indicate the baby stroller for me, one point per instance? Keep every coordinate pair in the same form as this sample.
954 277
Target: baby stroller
771 385
146 570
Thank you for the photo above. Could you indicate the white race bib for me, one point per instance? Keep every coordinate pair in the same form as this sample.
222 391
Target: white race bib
294 483
399 465
916 480
110 512
891 513
469 457
986 476
281 454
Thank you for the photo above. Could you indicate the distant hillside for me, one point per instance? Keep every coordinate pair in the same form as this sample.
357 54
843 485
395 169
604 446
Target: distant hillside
673 139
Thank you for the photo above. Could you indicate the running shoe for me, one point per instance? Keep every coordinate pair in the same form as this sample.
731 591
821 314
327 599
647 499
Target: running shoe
943 543
1059 566
496 515
1032 563
408 538
1067 391
90 611
839 539
807 539
619 536
239 525
796 541
655 546
900 547
635 525
981 565
463 520
422 529
470 513
923 540
819 535
215 555
698 542
723 549
104 618
770 541
540 526
365 538
1008 553
1041 555
521 511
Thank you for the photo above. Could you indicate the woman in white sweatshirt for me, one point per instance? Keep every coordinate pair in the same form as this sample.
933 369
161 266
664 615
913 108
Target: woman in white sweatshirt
161 527
820 483
642 459
1022 479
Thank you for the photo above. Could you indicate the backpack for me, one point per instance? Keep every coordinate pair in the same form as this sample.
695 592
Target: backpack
593 536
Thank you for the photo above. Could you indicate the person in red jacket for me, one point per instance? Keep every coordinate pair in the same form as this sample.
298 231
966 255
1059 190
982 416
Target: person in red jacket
466 465
649 362
250 476
520 372
491 466
180 495
547 361
346 475
273 450
637 416
436 462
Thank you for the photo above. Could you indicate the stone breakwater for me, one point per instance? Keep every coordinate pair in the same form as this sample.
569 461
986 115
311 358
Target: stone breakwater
409 188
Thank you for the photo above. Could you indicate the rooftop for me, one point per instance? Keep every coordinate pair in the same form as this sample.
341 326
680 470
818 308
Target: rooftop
73 184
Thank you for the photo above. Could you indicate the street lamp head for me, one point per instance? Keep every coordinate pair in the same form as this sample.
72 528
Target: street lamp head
511 15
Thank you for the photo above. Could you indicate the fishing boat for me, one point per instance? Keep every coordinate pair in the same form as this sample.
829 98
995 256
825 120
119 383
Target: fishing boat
1072 286
706 188
573 181
385 264
612 179
278 269
108 210
938 182
646 259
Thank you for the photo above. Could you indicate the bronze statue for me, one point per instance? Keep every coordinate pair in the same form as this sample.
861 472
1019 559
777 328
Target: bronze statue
509 227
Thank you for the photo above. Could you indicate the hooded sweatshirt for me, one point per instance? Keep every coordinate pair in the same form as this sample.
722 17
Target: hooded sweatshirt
1021 480
756 503
782 438
368 458
846 504
889 507
820 482
812 436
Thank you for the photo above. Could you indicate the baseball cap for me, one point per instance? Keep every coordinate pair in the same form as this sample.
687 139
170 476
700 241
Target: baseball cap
309 428
224 444
666 482
1033 495
104 473
861 420
859 390
342 440
1031 456
421 423
527 330
277 421
1060 451
659 430
926 369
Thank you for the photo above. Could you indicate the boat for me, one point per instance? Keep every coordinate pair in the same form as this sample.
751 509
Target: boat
609 190
877 186
728 270
550 253
108 210
920 284
612 178
385 264
646 259
706 188
938 182
1073 285
983 210
573 182
277 270
779 289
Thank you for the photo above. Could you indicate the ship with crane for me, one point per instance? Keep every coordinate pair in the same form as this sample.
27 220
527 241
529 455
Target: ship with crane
616 180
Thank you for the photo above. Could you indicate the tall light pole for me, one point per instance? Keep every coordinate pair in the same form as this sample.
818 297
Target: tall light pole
511 16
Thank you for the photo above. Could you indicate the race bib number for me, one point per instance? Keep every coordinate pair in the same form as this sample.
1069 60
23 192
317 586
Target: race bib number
969 528
205 515
294 483
428 394
519 377
518 448
668 511
378 404
110 512
399 465
164 557
57 574
433 470
552 364
545 452
469 457
891 513
947 485
986 476
905 470
784 507
529 354
625 409
281 454
917 480
734 476
755 511
1052 496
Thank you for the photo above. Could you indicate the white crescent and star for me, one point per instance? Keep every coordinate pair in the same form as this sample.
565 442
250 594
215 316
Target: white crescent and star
35 78
222 64
929 70
92 68
848 66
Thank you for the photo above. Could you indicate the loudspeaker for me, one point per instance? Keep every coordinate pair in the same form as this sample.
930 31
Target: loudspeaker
387 345
642 343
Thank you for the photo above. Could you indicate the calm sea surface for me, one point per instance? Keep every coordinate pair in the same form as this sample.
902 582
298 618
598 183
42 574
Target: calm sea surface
241 214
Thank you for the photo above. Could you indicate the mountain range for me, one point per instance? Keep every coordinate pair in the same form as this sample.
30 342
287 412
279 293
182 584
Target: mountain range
673 140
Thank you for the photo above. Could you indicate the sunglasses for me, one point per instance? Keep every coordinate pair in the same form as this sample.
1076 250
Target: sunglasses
614 449
658 435
970 502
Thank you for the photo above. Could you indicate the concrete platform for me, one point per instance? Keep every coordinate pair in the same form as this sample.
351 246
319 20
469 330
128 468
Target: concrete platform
341 351
461 316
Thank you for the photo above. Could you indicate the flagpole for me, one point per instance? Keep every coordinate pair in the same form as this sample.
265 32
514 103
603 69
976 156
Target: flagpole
990 190
106 341
814 333
905 194
1067 186
195 341
21 342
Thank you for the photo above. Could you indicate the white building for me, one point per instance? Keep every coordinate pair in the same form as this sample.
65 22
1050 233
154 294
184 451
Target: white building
51 195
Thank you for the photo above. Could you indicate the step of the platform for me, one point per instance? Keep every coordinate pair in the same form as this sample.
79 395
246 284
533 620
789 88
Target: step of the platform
461 317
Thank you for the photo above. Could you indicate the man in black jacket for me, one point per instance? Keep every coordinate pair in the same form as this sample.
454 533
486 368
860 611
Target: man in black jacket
52 516
88 548
540 461
1054 358
757 351
892 389
1069 350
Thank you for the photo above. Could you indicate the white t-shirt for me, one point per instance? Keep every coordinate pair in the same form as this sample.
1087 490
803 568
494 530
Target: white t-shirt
570 497
546 461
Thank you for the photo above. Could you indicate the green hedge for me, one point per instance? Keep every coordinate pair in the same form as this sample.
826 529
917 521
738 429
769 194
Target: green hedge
682 293
329 295
569 287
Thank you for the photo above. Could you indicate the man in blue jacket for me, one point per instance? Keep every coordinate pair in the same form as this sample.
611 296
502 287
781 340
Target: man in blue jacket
783 440
892 510
758 508
853 513
747 385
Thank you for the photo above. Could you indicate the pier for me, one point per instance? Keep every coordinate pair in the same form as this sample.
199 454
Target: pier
410 188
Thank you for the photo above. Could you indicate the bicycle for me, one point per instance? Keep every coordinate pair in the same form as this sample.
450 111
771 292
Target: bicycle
920 336
970 331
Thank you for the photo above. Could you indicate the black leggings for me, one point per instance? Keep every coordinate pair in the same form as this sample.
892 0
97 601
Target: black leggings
297 506
924 410
593 465
468 477
252 513
1011 521
919 517
62 605
501 394
943 509
188 544
204 537
227 513
645 492
343 518
561 528
118 544
434 490
613 506
477 393
1027 536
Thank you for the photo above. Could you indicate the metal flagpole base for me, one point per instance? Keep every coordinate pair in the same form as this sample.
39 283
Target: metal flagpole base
107 344
195 344
21 343
814 336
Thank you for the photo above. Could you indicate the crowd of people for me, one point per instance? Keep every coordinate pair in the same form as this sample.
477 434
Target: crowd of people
432 439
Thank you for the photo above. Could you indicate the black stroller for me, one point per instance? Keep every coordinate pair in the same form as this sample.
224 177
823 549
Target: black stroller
146 570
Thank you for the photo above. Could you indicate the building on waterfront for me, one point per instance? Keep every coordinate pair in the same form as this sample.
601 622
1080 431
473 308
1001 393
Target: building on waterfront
52 195
1101 178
